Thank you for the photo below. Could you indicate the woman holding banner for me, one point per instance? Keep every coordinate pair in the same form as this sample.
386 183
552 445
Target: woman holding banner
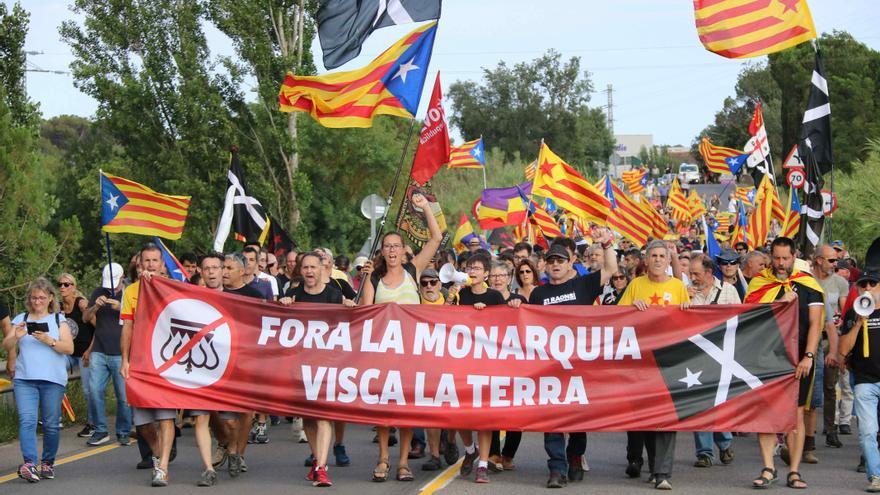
395 280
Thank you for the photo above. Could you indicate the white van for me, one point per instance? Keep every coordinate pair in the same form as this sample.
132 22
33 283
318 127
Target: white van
688 173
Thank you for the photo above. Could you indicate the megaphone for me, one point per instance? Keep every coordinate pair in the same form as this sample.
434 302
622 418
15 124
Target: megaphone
448 273
864 305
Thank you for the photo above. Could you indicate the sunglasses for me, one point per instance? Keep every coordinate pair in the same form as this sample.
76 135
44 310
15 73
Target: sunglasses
65 284
554 261
728 263
525 272
618 277
865 283
428 283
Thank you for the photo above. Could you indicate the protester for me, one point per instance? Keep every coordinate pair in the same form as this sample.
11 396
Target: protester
42 338
565 286
73 304
155 425
431 292
263 282
394 280
782 282
285 278
105 358
526 277
657 287
611 293
860 342
706 289
752 264
728 264
190 263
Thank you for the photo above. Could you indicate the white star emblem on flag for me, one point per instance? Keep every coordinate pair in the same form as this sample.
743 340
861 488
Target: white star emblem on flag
404 69
112 202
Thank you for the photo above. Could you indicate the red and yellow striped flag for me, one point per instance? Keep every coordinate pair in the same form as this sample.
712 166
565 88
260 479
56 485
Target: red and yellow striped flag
633 180
468 155
558 181
390 85
695 204
759 223
544 222
677 203
745 194
658 224
714 156
792 223
131 208
67 409
627 218
749 28
530 170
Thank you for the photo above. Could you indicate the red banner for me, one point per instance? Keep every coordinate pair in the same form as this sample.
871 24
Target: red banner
536 368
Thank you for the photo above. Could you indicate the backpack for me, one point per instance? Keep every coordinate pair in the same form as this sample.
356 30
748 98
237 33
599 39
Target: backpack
409 267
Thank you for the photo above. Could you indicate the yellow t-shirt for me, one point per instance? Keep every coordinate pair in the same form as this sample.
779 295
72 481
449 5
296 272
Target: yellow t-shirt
671 292
130 301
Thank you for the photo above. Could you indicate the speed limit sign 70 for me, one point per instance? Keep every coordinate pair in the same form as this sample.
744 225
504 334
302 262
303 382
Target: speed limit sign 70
796 178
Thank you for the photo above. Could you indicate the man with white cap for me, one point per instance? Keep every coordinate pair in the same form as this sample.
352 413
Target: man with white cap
104 356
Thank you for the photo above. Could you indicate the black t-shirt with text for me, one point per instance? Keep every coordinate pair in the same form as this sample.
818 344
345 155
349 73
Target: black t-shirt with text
246 290
330 295
578 290
865 369
806 297
491 297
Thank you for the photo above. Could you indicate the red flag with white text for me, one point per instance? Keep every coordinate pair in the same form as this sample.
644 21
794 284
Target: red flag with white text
433 150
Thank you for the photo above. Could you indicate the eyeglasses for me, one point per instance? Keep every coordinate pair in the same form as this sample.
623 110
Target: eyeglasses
498 275
392 247
618 277
270 265
727 263
865 283
525 272
428 283
65 284
474 268
39 298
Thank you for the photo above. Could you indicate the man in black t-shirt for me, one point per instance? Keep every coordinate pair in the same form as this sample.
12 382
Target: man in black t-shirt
863 340
565 463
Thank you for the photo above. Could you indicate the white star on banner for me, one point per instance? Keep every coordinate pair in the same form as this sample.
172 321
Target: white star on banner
691 379
477 152
112 202
404 68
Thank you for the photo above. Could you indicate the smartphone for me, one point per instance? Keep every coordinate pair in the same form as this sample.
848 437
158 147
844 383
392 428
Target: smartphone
33 326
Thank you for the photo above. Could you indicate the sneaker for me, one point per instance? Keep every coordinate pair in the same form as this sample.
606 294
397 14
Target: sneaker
556 480
467 465
482 475
321 478
234 465
873 485
310 461
221 454
28 472
98 439
844 430
703 461
123 440
662 484
311 475
243 465
576 468
810 457
209 478
252 435
726 456
342 458
87 431
262 435
160 477
507 463
451 453
831 440
148 462
634 469
47 472
432 464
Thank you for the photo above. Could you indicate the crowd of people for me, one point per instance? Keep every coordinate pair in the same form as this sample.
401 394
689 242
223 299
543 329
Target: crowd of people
838 366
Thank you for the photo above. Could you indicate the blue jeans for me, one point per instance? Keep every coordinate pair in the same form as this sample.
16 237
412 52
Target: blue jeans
74 363
554 445
867 397
104 368
32 396
703 442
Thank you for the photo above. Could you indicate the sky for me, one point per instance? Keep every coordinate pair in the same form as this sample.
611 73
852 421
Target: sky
664 82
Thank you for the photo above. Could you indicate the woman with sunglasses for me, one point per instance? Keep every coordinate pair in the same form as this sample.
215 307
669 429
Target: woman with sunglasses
44 342
615 288
73 305
394 280
526 277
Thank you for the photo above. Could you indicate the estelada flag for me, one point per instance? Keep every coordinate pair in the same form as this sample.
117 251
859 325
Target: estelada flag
677 203
749 28
390 85
433 149
131 208
560 182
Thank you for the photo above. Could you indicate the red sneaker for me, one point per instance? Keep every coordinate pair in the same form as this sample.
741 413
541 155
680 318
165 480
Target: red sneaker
311 475
321 478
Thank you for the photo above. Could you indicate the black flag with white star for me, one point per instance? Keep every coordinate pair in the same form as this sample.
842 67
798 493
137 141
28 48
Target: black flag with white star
726 361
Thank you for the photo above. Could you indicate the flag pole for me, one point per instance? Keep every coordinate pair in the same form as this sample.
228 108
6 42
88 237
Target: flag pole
485 186
106 234
381 226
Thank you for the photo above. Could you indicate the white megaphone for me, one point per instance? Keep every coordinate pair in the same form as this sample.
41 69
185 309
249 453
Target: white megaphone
448 273
864 305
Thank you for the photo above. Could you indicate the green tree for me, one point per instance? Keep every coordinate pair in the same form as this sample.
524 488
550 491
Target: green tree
13 30
518 106
856 220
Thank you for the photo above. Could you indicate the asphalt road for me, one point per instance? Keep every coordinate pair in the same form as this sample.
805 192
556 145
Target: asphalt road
277 468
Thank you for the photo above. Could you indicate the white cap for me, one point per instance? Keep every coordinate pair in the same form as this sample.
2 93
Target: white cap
106 282
360 261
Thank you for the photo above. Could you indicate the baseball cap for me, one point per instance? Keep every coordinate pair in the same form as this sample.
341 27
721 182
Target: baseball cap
429 273
117 271
360 261
557 251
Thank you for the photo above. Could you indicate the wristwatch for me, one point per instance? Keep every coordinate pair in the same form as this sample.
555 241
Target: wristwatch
809 355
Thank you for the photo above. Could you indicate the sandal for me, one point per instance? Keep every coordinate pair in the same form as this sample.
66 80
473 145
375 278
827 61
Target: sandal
797 483
404 473
763 481
380 474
